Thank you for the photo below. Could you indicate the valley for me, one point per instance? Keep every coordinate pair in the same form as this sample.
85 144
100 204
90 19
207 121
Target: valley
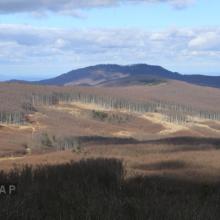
151 137
109 110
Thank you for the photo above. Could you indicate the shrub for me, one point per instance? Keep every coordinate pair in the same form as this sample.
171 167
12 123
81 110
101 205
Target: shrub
45 140
99 115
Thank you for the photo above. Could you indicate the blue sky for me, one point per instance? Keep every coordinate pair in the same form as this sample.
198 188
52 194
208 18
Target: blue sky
41 39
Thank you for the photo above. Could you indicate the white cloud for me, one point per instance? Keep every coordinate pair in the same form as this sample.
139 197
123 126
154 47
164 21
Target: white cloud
72 7
31 46
182 3
209 40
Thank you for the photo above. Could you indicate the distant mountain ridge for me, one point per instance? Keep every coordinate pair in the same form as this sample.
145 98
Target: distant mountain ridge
117 75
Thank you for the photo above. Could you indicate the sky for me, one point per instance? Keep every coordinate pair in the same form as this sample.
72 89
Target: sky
44 38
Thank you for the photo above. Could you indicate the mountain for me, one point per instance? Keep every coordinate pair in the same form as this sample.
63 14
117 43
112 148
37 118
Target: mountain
117 75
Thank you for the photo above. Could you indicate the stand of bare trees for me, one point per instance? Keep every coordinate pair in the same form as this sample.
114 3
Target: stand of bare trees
16 117
176 113
12 117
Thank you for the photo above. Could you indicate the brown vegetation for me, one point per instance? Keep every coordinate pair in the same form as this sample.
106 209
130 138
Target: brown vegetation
98 189
71 123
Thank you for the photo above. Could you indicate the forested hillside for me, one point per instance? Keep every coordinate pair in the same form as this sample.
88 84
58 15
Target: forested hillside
116 75
19 100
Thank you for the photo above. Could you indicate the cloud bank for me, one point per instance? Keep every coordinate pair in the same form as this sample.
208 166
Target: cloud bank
71 6
23 45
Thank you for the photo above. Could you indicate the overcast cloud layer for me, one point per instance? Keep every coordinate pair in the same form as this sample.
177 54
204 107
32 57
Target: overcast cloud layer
71 6
27 46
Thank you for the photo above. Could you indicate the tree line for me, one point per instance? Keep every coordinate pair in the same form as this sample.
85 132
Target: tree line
176 113
173 112
12 117
17 117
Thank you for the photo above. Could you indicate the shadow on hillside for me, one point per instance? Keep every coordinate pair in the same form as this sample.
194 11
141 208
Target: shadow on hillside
97 189
192 142
175 144
183 144
164 165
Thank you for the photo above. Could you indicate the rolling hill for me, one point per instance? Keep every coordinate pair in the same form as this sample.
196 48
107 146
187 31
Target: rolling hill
110 75
117 75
